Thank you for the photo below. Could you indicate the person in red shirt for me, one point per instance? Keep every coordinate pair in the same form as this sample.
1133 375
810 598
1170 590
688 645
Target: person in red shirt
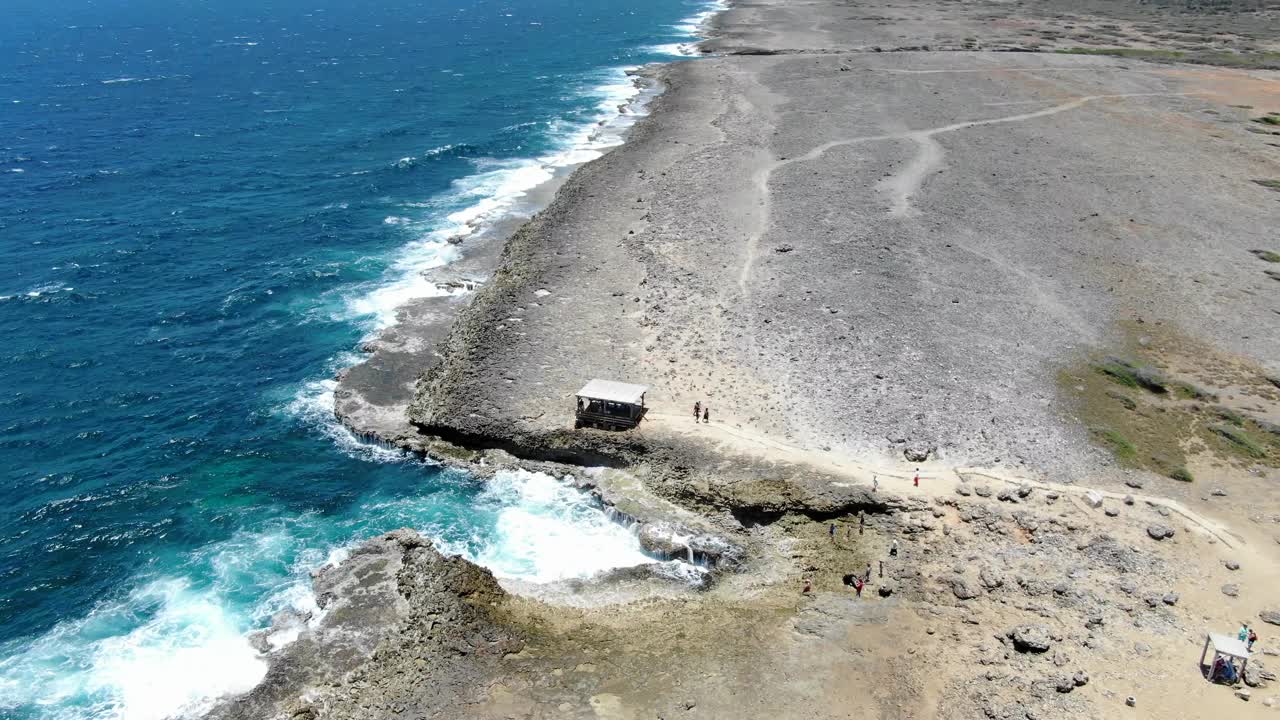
917 478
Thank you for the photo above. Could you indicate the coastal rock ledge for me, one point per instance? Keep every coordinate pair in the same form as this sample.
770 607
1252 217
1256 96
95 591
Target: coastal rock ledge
429 620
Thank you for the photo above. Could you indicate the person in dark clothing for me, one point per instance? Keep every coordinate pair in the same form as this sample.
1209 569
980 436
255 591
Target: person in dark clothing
706 414
697 410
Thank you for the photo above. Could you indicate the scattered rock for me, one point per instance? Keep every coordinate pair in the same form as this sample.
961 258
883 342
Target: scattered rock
1232 590
964 490
982 491
1131 701
1024 491
1219 492
1093 498
1142 648
1065 684
1160 532
1111 512
1133 483
1128 499
1270 616
1081 678
1170 598
1030 638
1244 694
885 590
1231 564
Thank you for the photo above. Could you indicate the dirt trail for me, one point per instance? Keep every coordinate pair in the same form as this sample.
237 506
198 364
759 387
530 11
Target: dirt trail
936 479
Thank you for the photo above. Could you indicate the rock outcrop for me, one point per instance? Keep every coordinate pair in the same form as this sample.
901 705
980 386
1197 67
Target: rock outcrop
427 617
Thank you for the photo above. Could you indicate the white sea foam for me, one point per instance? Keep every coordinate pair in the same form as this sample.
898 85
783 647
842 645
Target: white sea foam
313 403
548 530
499 190
186 652
676 49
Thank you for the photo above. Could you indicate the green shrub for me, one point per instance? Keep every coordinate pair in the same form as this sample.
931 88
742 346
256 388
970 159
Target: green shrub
1240 439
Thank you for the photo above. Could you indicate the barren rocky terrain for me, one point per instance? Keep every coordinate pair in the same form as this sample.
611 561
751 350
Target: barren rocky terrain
877 242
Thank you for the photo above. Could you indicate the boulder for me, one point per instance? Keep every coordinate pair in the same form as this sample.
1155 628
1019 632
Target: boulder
1159 532
885 589
1128 499
1170 598
1244 694
1231 564
1093 498
990 579
918 452
964 490
964 588
1030 638
1232 590
1065 684
1081 678
1254 674
982 491
1270 616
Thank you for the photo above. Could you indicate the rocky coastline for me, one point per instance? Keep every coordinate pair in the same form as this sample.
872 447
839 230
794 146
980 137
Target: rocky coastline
890 274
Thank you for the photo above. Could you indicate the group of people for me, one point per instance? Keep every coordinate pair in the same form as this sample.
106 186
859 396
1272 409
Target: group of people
1247 635
701 410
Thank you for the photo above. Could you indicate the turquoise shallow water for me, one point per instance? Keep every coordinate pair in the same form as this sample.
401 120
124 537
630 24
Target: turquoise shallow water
204 207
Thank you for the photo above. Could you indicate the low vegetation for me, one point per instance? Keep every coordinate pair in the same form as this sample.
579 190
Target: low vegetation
1267 255
1269 184
1132 375
1119 445
1240 439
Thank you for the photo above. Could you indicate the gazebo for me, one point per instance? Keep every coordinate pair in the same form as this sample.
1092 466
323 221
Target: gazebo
1226 647
610 405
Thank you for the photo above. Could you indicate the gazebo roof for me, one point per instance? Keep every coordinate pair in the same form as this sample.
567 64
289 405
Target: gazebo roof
614 391
1227 645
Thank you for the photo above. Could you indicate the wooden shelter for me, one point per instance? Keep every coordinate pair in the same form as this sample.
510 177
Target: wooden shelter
610 405
1226 648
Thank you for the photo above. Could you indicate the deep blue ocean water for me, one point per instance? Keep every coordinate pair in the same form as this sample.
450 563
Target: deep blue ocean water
204 208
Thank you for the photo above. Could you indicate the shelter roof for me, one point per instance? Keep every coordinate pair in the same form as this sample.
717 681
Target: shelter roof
1228 645
614 391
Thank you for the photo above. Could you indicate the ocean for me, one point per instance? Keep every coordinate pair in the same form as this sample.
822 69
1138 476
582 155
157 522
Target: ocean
205 207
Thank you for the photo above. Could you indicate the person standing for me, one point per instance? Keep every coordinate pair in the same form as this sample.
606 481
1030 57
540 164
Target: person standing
875 483
868 575
808 587
832 532
1243 633
917 477
857 586
697 410
706 414
1253 638
862 522
893 549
